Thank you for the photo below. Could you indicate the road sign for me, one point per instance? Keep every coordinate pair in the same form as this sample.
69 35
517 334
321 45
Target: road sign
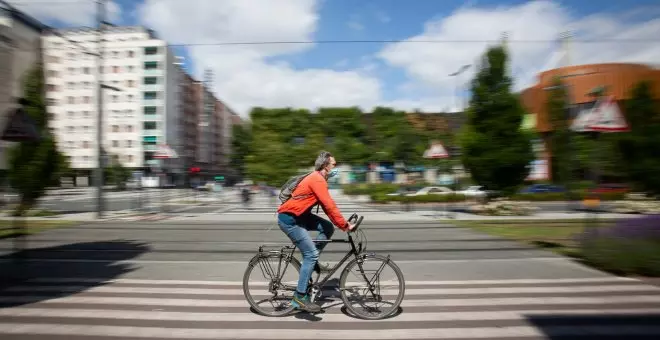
20 128
608 117
437 150
165 152
605 116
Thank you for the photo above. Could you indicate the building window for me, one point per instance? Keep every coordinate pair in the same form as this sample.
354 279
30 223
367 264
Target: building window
150 50
131 68
70 100
52 88
70 114
115 99
52 73
115 128
115 143
87 70
70 128
151 65
87 114
51 101
72 70
130 83
149 125
88 85
130 158
86 145
129 143
115 69
131 54
129 98
129 128
86 128
88 99
150 110
150 80
115 54
150 95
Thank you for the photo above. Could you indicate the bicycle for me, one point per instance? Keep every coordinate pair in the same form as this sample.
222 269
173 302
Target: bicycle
277 287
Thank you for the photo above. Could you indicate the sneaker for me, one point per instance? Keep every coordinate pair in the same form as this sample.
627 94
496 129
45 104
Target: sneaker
303 303
321 268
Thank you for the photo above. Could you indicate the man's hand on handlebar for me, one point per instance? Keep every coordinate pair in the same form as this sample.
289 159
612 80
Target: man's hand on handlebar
349 227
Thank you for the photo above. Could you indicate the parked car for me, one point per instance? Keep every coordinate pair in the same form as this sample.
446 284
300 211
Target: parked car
542 188
423 191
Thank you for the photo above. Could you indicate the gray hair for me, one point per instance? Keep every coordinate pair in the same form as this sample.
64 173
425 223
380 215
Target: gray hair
322 160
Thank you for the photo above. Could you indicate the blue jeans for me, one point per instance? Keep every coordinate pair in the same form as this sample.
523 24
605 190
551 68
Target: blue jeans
296 229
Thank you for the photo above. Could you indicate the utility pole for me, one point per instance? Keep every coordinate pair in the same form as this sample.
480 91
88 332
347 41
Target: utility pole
100 7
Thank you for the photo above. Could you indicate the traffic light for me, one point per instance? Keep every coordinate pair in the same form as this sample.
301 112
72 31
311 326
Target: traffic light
194 170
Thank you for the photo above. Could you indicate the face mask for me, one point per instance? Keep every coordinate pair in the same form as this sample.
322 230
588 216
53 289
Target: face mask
333 172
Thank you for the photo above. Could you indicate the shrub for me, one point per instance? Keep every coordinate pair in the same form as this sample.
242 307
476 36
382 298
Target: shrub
630 246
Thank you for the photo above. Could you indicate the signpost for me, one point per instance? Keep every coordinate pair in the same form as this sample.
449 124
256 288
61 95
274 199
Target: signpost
162 153
604 117
437 151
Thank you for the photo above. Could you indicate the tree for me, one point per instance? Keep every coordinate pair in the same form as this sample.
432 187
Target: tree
241 140
116 173
494 148
34 165
560 139
637 147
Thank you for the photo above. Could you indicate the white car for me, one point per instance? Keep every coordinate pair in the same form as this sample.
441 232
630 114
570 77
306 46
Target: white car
472 191
426 191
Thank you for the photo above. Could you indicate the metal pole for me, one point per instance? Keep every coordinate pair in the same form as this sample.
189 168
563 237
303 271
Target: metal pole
100 5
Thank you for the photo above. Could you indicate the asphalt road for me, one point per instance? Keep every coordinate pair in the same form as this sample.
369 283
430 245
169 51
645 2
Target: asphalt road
123 281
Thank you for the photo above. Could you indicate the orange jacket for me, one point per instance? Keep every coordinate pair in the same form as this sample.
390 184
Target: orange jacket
311 190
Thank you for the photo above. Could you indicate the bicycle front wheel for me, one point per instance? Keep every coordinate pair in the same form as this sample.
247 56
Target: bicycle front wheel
372 287
269 283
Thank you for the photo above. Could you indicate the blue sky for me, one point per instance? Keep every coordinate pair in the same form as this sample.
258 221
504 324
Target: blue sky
405 76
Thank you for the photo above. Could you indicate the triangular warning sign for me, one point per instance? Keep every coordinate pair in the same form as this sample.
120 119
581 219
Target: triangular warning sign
607 117
436 151
20 128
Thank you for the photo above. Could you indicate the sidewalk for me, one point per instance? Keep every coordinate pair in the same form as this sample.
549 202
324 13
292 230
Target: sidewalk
263 217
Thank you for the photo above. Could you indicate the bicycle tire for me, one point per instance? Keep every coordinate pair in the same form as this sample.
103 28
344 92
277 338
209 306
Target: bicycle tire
344 296
246 278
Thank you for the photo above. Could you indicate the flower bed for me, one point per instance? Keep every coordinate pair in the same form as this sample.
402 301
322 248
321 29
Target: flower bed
630 246
503 208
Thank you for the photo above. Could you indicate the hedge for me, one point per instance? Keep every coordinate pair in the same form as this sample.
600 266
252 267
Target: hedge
432 198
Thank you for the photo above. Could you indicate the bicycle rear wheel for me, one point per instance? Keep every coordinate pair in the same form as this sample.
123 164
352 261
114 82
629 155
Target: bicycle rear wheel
368 282
273 283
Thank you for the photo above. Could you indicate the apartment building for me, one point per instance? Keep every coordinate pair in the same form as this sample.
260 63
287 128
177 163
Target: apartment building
139 113
20 50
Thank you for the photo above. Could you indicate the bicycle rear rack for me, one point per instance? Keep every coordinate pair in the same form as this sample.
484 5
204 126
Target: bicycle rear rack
275 249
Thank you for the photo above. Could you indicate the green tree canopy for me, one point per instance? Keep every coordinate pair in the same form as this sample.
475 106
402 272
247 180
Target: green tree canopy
34 165
494 148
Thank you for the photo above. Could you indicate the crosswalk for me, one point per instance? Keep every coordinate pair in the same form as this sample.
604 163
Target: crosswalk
122 309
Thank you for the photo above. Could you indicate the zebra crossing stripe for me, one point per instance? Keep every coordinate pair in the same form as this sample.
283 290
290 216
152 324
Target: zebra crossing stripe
409 292
331 334
431 310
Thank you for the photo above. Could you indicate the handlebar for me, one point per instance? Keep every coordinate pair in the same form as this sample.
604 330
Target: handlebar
356 220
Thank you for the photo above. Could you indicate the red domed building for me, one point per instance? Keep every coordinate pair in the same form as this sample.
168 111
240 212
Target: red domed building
618 79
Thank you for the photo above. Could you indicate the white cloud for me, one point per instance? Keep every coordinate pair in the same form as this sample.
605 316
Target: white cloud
383 17
244 77
68 12
354 23
537 21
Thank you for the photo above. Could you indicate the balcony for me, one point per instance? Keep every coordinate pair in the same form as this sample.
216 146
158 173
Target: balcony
152 102
150 148
148 117
153 72
152 57
151 132
152 87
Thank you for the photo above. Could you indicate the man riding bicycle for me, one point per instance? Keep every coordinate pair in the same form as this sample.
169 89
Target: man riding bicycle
295 218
